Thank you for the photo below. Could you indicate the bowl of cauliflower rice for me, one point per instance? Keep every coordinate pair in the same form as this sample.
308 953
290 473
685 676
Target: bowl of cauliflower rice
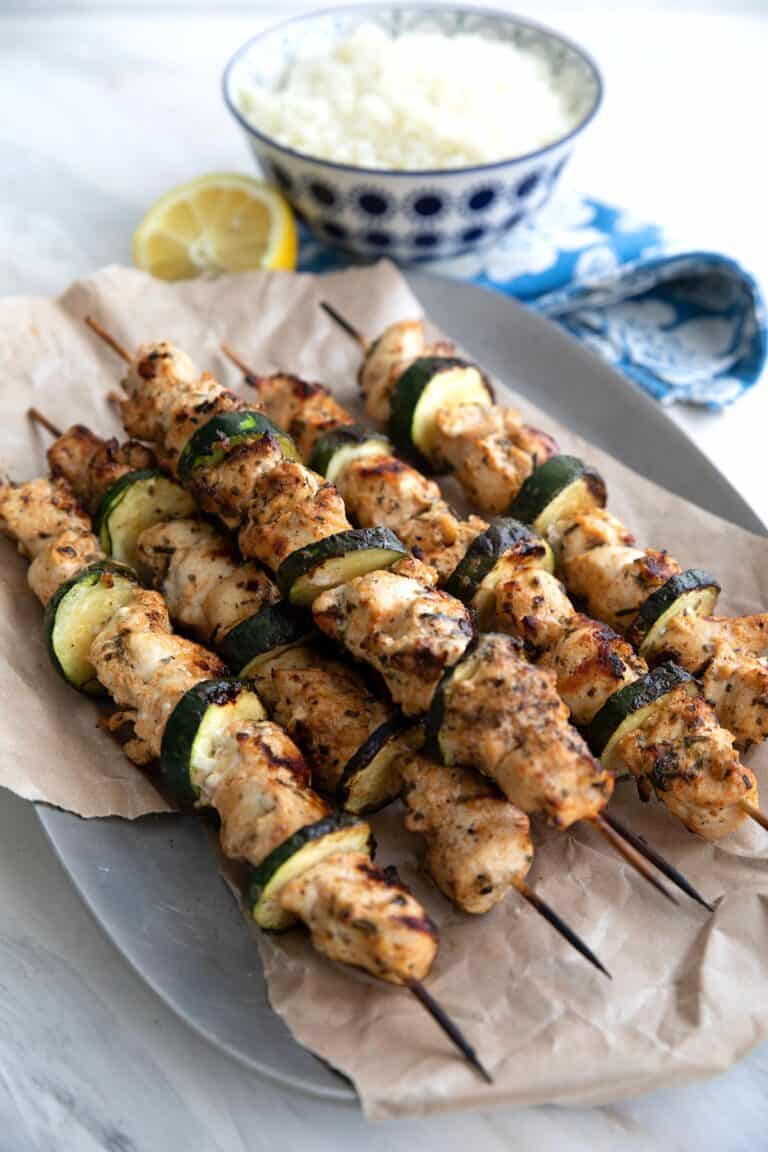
414 131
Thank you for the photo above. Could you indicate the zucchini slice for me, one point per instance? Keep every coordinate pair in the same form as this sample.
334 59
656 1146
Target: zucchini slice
694 592
339 832
632 705
137 501
370 778
273 629
337 448
210 443
476 568
77 612
189 745
559 488
336 559
436 715
428 385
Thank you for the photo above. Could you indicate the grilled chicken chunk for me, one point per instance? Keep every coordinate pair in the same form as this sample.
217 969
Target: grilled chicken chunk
692 765
155 385
36 512
591 662
410 634
290 508
528 602
386 360
478 844
490 451
62 559
382 491
208 589
225 487
504 717
91 465
614 581
304 409
361 915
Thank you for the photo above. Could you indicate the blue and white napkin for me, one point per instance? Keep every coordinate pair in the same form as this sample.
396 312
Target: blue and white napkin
688 326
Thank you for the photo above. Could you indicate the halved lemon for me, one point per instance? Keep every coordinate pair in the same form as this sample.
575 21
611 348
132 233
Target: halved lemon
223 222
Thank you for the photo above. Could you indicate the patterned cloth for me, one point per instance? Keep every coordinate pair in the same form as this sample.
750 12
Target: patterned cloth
686 326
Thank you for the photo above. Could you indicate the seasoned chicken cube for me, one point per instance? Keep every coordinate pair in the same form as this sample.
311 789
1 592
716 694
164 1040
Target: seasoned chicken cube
358 914
226 486
91 465
587 530
35 513
155 384
408 633
505 718
478 844
324 705
303 409
290 507
192 410
439 537
382 491
691 763
614 581
62 559
530 603
591 662
385 361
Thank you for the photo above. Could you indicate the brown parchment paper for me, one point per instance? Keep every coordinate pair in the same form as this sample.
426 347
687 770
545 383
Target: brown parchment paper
689 993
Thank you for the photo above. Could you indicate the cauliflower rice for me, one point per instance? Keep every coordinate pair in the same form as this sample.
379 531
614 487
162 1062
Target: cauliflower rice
418 101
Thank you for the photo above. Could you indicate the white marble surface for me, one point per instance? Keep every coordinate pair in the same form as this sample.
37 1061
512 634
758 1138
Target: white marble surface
102 110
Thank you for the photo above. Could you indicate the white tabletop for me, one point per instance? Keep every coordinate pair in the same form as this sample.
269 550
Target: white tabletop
102 112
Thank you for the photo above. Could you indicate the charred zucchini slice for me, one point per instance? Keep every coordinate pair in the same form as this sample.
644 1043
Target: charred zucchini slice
561 487
190 738
337 448
694 592
430 384
336 559
632 705
371 778
475 577
272 630
210 443
77 612
339 832
436 715
137 501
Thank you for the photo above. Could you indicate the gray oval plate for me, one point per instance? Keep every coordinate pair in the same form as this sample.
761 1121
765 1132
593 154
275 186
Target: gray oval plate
151 884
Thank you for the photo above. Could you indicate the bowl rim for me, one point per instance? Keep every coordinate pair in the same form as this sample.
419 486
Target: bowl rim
433 173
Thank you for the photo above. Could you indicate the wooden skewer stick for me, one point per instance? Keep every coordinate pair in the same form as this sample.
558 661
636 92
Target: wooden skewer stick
37 417
344 324
631 855
109 339
230 354
443 1020
753 811
657 860
560 926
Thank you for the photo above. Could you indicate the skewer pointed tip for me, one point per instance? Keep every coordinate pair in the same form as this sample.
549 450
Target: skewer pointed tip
37 417
230 354
632 856
344 324
109 339
443 1020
655 857
562 927
753 811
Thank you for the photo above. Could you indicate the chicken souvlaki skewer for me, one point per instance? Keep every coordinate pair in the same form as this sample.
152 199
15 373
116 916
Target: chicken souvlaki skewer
478 843
408 632
442 409
216 747
504 571
550 499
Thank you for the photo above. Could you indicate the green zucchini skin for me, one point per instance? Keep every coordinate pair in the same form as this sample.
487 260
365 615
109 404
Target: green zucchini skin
168 501
660 601
485 551
274 626
436 714
261 875
344 436
210 443
305 560
112 497
548 481
92 572
405 398
367 751
181 730
639 694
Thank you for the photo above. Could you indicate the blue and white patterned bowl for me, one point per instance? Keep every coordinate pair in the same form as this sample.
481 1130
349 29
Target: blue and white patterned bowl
412 216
